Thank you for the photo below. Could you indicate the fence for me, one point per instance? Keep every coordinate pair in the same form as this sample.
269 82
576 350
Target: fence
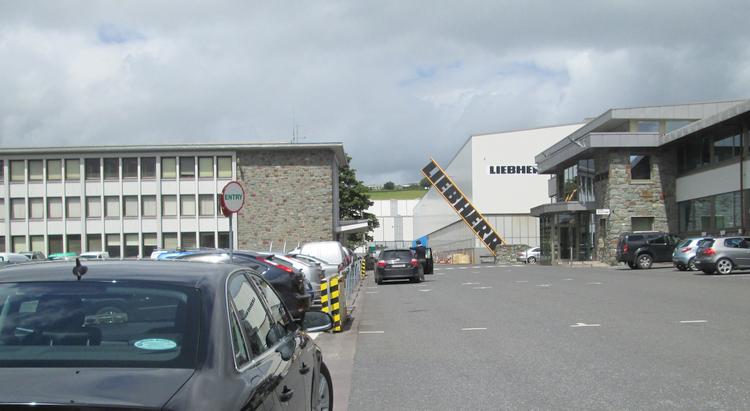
339 292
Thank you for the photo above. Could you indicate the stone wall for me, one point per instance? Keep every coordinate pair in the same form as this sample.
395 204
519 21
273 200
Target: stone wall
625 198
289 197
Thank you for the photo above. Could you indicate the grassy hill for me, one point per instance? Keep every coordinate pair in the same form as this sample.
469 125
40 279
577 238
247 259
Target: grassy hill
397 194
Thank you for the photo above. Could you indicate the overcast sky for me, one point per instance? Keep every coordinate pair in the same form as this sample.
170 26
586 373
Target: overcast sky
395 81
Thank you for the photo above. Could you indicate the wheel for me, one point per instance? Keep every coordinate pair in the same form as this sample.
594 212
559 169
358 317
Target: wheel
531 260
691 265
322 399
724 266
378 280
632 265
645 261
681 267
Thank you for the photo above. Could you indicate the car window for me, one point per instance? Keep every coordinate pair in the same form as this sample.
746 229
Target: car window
241 355
684 243
97 324
658 240
277 310
732 242
259 330
635 238
397 255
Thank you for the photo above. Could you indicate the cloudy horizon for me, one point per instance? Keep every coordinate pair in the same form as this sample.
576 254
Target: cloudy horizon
396 82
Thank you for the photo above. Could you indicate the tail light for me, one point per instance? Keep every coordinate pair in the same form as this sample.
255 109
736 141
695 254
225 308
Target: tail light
277 265
414 262
686 249
625 249
381 263
709 251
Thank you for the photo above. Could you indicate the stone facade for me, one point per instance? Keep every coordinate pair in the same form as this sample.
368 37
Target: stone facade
291 197
625 198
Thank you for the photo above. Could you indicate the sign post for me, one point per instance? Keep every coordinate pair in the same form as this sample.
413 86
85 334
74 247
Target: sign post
232 201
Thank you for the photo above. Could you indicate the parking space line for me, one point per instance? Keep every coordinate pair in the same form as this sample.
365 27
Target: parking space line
594 283
372 332
480 288
425 290
474 329
371 292
576 325
567 279
693 321
543 285
522 281
470 283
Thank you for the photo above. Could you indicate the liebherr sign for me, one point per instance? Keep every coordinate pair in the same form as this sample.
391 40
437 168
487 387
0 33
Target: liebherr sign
470 215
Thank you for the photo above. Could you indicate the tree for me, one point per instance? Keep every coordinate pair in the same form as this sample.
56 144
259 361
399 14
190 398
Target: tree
354 202
389 186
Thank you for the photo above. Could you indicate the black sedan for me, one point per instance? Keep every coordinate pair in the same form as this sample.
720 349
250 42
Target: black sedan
288 282
154 335
398 264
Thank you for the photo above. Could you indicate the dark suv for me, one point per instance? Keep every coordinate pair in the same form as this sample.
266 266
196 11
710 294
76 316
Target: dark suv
641 249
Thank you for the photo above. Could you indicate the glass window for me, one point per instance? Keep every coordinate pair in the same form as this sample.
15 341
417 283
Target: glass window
74 243
169 241
253 318
2 172
187 167
276 307
130 167
54 208
169 205
93 207
37 242
111 168
149 206
648 126
642 223
36 208
223 240
94 242
112 206
17 208
72 169
148 167
54 170
168 167
187 205
73 207
207 240
130 206
36 170
727 148
224 165
145 315
113 245
672 125
18 243
705 151
188 240
93 170
149 243
17 171
726 211
55 244
241 355
205 167
131 245
640 167
207 204
2 210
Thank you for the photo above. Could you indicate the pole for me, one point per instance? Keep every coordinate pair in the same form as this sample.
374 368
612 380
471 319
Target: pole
231 241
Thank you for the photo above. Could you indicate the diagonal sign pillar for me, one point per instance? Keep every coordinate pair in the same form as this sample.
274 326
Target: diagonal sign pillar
478 224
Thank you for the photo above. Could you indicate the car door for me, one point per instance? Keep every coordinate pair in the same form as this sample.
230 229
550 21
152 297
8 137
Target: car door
734 250
258 366
295 390
659 248
743 259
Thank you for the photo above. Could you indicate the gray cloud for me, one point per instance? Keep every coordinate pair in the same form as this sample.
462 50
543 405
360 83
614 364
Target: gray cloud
395 81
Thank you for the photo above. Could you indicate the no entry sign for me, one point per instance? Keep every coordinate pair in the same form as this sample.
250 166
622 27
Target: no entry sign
232 197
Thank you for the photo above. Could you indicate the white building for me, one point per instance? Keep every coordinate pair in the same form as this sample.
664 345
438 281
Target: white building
497 172
396 218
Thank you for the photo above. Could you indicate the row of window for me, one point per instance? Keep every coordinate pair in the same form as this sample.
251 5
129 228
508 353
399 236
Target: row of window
128 245
713 213
709 149
113 168
207 205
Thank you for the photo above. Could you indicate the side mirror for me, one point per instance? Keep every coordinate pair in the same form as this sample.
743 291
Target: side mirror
316 321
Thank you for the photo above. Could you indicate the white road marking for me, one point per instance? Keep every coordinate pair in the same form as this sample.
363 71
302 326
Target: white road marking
313 335
470 283
542 285
372 332
425 290
473 329
576 325
372 287
371 292
693 321
522 281
480 288
448 268
463 268
594 283
567 279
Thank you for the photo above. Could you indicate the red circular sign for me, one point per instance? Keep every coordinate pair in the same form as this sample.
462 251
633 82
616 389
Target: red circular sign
233 197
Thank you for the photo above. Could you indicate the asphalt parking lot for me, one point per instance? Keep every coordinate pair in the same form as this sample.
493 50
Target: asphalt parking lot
535 337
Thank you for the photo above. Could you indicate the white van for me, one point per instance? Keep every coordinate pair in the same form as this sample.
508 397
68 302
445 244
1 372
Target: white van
13 258
94 255
329 251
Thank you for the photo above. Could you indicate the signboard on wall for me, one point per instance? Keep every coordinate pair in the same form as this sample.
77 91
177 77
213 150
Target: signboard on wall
463 207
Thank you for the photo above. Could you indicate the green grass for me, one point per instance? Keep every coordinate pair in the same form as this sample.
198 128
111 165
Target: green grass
397 194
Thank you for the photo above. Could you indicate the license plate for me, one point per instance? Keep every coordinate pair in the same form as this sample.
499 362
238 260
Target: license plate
398 265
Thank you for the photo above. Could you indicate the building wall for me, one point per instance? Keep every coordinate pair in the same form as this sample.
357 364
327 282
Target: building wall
290 198
396 218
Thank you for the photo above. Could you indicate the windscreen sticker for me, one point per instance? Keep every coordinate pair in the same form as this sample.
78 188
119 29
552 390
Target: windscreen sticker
156 344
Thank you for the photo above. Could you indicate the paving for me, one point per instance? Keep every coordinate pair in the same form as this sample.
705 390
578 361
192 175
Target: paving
535 337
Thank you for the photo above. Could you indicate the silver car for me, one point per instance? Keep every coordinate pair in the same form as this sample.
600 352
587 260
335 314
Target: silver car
313 272
329 269
683 256
723 255
530 256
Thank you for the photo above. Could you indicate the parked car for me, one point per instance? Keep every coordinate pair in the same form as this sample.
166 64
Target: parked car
288 282
683 256
723 255
313 271
398 264
329 269
329 251
62 256
530 256
94 255
181 337
13 258
35 255
642 249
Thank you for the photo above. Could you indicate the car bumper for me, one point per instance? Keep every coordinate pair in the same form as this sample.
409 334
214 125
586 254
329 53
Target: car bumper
680 259
521 258
408 272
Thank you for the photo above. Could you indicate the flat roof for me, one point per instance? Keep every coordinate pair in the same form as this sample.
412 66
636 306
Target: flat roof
337 148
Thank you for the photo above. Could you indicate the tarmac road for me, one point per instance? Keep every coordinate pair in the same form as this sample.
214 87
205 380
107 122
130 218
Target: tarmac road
535 337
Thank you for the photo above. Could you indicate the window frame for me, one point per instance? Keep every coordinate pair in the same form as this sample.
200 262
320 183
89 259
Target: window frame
151 163
135 173
183 174
643 157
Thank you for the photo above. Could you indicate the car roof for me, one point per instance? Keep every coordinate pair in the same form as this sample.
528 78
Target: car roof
397 249
186 273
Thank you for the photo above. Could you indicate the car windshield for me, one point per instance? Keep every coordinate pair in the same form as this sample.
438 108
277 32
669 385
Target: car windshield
685 243
97 324
397 255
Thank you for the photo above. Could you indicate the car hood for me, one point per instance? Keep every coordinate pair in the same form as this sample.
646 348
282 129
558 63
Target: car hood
96 387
